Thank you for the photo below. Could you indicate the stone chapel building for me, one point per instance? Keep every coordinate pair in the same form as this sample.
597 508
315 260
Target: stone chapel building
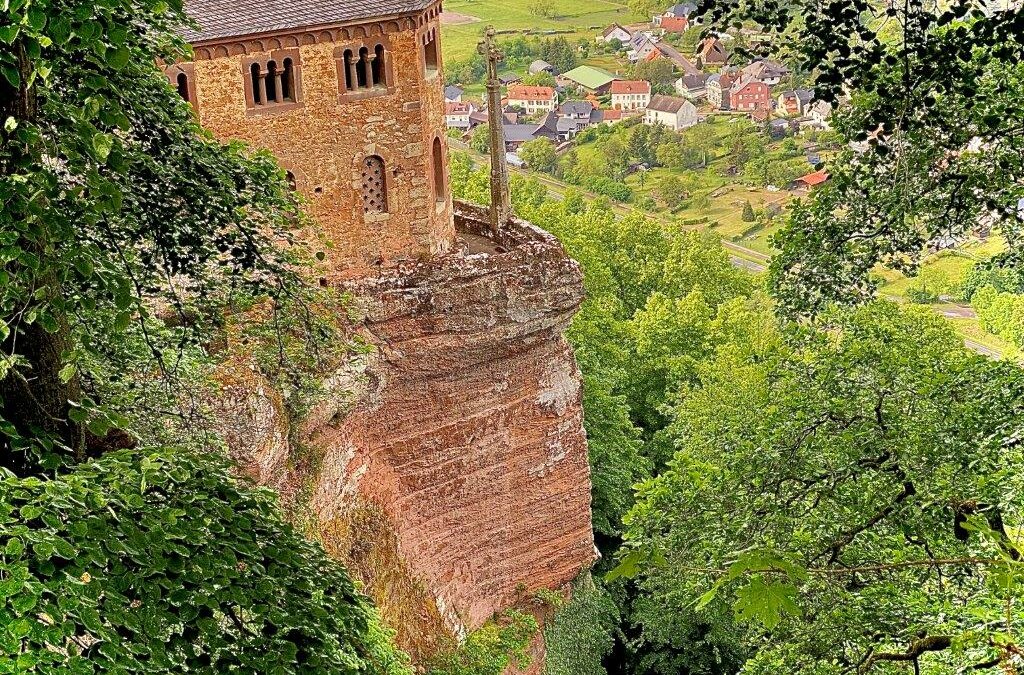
348 95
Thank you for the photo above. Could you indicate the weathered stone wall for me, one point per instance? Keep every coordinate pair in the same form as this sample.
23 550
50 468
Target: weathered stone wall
466 438
324 140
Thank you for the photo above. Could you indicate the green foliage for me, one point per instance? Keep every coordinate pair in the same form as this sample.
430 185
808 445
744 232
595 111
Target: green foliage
159 560
539 154
852 490
748 213
1000 313
963 151
110 190
580 634
491 649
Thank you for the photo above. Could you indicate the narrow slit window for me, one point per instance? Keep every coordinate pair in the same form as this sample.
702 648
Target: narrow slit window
273 78
182 82
361 75
378 66
288 81
438 162
254 72
374 186
430 55
348 63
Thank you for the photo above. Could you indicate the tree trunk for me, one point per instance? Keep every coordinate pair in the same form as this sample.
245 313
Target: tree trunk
33 397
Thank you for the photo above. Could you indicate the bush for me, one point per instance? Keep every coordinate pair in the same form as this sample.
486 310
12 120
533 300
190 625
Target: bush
491 649
609 188
748 213
161 558
580 633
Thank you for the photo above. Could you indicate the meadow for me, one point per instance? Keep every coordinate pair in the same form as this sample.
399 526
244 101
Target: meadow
465 20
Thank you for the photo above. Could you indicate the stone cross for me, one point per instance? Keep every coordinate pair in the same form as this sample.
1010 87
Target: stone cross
501 207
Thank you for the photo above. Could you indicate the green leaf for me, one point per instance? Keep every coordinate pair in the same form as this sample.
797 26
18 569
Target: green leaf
102 144
11 74
764 602
119 58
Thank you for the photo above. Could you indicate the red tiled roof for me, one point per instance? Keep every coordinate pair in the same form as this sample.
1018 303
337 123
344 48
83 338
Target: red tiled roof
525 92
456 108
812 179
610 115
630 87
674 24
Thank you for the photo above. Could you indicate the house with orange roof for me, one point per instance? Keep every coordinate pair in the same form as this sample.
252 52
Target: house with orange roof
532 99
805 184
630 94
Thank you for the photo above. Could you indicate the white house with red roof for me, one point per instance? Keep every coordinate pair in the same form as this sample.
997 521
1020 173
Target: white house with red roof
532 99
630 94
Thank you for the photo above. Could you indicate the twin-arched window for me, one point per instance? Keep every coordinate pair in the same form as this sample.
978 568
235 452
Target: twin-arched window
362 68
273 81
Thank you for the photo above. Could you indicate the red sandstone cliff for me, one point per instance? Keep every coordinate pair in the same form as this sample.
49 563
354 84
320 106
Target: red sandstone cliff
454 480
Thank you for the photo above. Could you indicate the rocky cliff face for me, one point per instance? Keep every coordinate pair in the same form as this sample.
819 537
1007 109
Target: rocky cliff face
455 481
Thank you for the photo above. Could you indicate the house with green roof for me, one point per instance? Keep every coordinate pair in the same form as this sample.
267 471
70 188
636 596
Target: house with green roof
590 79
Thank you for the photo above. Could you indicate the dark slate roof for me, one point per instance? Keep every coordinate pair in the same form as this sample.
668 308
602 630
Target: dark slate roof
220 19
519 132
576 108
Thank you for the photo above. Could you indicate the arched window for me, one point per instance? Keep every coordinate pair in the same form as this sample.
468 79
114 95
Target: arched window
288 81
348 63
378 66
437 158
362 79
257 80
375 188
182 82
430 56
273 79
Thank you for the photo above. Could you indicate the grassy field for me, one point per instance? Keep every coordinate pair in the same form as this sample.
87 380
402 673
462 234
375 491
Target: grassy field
468 18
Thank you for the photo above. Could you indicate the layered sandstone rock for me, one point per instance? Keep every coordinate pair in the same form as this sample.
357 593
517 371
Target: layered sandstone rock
464 447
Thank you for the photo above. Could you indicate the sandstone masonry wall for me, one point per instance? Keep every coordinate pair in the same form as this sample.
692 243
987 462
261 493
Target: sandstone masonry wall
324 139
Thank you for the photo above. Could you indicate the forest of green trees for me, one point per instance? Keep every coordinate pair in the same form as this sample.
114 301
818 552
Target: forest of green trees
789 474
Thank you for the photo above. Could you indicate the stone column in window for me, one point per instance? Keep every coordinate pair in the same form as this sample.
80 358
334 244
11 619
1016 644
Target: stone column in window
353 76
263 85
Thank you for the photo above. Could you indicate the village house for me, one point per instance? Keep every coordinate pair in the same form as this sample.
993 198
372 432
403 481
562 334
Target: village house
711 53
458 115
575 116
794 102
719 88
616 32
641 46
610 117
682 10
805 184
768 72
354 111
819 113
748 95
452 94
663 50
532 99
693 87
630 94
672 24
507 79
675 113
587 78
